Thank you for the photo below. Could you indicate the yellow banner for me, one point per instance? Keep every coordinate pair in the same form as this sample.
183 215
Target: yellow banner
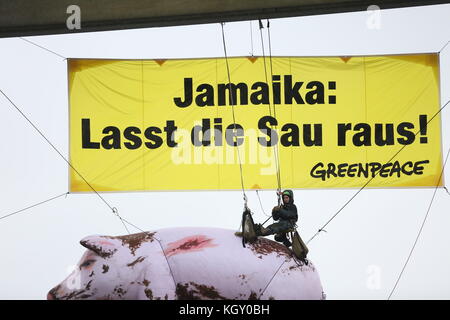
332 122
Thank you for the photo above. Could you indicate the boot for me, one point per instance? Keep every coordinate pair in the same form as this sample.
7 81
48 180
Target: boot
266 231
283 238
261 231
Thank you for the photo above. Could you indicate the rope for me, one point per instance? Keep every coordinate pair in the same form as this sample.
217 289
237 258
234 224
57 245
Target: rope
444 46
277 153
277 160
446 190
264 60
376 174
296 261
260 204
114 210
232 110
44 48
168 264
32 206
421 228
159 242
265 288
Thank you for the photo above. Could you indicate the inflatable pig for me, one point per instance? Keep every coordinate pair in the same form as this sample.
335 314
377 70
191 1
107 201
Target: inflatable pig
188 263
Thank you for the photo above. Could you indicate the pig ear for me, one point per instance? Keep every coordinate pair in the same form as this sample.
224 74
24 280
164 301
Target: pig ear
103 246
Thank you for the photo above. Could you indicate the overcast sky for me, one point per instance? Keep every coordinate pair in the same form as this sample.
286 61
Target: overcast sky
365 247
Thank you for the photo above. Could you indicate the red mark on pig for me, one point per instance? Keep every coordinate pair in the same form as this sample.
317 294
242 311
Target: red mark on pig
189 244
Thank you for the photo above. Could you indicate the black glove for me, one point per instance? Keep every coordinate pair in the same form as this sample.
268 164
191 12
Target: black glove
275 213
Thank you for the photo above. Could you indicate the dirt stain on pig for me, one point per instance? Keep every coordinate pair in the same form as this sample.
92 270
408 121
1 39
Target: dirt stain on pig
146 282
208 291
105 268
138 260
184 293
98 249
148 294
243 277
134 241
80 294
119 291
195 291
253 296
265 247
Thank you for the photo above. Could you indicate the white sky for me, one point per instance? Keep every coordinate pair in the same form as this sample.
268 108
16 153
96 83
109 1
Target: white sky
371 237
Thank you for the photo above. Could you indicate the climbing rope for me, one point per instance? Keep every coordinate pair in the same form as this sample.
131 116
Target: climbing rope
446 190
273 128
374 176
32 206
234 116
113 210
42 47
421 228
277 153
260 204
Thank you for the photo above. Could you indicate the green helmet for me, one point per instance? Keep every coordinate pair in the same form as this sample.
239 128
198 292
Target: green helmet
290 194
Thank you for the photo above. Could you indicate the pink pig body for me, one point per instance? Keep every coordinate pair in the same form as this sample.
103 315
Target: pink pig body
188 263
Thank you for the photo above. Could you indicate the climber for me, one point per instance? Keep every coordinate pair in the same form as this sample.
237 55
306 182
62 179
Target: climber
286 215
